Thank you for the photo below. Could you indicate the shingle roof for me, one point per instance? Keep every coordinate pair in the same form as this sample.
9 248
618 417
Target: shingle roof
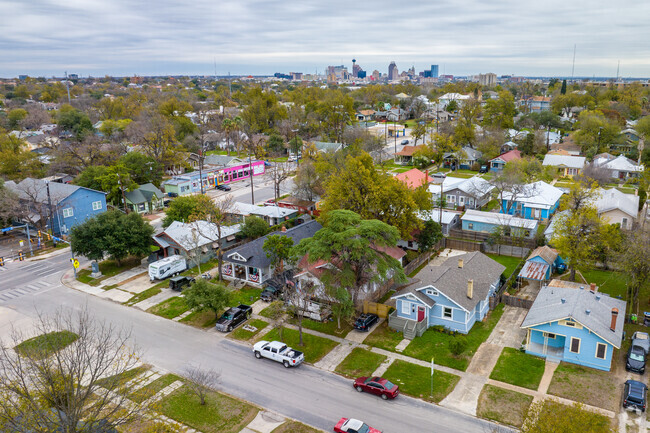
36 189
548 307
222 160
409 150
509 156
254 253
434 215
614 199
623 164
547 254
144 193
564 161
267 211
195 234
452 280
414 178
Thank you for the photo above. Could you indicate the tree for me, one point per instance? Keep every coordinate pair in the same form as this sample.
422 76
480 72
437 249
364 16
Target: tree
206 296
549 416
114 234
465 132
279 172
16 118
277 313
429 235
355 246
278 250
306 181
156 135
563 89
418 131
500 112
254 227
633 260
76 122
71 385
9 205
343 305
181 209
595 132
142 168
201 381
275 144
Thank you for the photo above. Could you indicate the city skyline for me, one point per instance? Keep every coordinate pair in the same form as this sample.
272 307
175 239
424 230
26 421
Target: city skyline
121 38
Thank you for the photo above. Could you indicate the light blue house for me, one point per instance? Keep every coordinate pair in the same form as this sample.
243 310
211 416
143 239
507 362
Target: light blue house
541 264
537 200
454 295
488 222
574 323
71 204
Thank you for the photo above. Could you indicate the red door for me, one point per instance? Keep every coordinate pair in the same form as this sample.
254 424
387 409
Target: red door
420 314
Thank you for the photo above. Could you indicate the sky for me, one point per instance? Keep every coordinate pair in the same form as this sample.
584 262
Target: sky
261 37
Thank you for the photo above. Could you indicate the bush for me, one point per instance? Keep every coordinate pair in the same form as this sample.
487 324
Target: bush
457 346
410 256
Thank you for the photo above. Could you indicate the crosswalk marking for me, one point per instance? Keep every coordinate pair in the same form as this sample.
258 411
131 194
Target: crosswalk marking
35 286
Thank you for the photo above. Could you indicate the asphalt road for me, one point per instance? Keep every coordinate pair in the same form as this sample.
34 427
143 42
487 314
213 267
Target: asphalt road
304 393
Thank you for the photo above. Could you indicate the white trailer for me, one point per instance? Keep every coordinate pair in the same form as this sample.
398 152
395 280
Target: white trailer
167 267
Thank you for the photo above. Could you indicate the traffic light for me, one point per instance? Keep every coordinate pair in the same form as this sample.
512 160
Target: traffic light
21 256
2 261
39 233
47 236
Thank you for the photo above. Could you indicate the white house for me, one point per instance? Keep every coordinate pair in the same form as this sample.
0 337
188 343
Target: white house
623 168
567 165
617 208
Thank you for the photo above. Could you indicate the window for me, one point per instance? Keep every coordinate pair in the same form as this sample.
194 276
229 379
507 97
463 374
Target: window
624 223
575 345
571 324
67 212
406 307
601 350
432 292
549 335
470 226
97 205
447 312
461 199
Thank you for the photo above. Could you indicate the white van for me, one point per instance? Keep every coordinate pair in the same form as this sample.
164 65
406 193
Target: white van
165 268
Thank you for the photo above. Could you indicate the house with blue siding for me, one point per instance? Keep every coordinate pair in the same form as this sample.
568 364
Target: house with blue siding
488 222
455 295
537 200
541 264
575 323
71 204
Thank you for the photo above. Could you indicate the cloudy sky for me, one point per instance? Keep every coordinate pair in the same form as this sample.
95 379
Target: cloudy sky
158 37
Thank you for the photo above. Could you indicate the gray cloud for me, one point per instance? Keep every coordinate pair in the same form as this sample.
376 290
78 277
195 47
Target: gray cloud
125 37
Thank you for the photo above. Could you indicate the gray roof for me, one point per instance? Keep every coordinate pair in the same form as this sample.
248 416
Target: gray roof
451 280
222 160
414 290
36 190
144 194
548 307
254 254
190 236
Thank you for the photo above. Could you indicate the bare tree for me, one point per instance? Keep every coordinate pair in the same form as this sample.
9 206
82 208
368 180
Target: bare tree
594 173
509 188
216 214
279 173
298 299
72 380
201 381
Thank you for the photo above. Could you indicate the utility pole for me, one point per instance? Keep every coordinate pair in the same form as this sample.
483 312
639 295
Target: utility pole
119 182
67 85
250 173
395 134
201 168
49 203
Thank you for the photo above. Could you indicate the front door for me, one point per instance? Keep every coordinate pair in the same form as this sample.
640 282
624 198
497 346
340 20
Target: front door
420 313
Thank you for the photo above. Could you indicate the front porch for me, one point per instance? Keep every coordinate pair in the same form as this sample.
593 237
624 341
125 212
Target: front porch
410 328
246 274
549 346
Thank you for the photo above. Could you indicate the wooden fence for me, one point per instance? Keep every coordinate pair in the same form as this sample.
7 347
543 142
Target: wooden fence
516 301
483 237
381 310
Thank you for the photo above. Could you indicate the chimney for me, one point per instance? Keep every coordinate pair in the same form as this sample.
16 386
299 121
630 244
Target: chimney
614 315
470 288
283 229
460 263
426 177
593 288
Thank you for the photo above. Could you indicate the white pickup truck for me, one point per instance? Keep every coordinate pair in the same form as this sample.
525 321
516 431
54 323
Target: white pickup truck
279 352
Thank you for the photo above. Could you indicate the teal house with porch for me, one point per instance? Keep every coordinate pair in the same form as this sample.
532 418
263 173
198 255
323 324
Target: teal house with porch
455 295
575 323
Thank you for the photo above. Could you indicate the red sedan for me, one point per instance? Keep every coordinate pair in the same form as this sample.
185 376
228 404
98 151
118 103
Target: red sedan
378 386
351 425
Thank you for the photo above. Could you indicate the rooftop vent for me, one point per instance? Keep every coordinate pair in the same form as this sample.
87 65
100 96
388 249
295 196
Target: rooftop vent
563 300
588 312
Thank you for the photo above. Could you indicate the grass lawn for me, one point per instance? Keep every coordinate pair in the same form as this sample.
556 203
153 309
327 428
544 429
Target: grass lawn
266 313
360 362
402 169
241 334
119 380
415 380
518 368
153 291
44 345
170 308
200 319
386 296
510 263
555 416
384 337
461 175
246 295
220 414
108 268
435 344
586 385
503 406
295 427
153 388
491 205
610 282
314 349
327 327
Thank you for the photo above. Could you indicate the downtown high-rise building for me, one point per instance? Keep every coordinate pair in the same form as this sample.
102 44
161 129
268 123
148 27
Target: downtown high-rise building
434 71
393 73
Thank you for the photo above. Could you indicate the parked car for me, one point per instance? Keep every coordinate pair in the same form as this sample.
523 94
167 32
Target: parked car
378 386
278 352
206 276
351 425
635 359
222 187
291 158
365 321
404 142
178 283
439 176
166 203
635 395
641 339
483 169
172 194
233 317
271 293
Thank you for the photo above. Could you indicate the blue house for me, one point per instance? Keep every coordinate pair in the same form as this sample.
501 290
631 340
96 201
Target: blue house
541 264
573 323
71 204
537 200
488 222
454 295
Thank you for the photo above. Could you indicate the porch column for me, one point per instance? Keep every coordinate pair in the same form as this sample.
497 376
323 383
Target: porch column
246 272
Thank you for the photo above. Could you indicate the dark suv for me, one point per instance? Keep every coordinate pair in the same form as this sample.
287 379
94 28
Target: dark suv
272 290
365 321
178 283
635 360
634 395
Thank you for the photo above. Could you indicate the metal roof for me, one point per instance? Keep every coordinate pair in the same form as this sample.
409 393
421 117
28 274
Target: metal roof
534 271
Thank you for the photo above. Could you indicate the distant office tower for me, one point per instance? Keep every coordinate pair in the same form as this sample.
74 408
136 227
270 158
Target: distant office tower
488 79
361 73
434 71
375 74
355 69
296 75
340 72
393 73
